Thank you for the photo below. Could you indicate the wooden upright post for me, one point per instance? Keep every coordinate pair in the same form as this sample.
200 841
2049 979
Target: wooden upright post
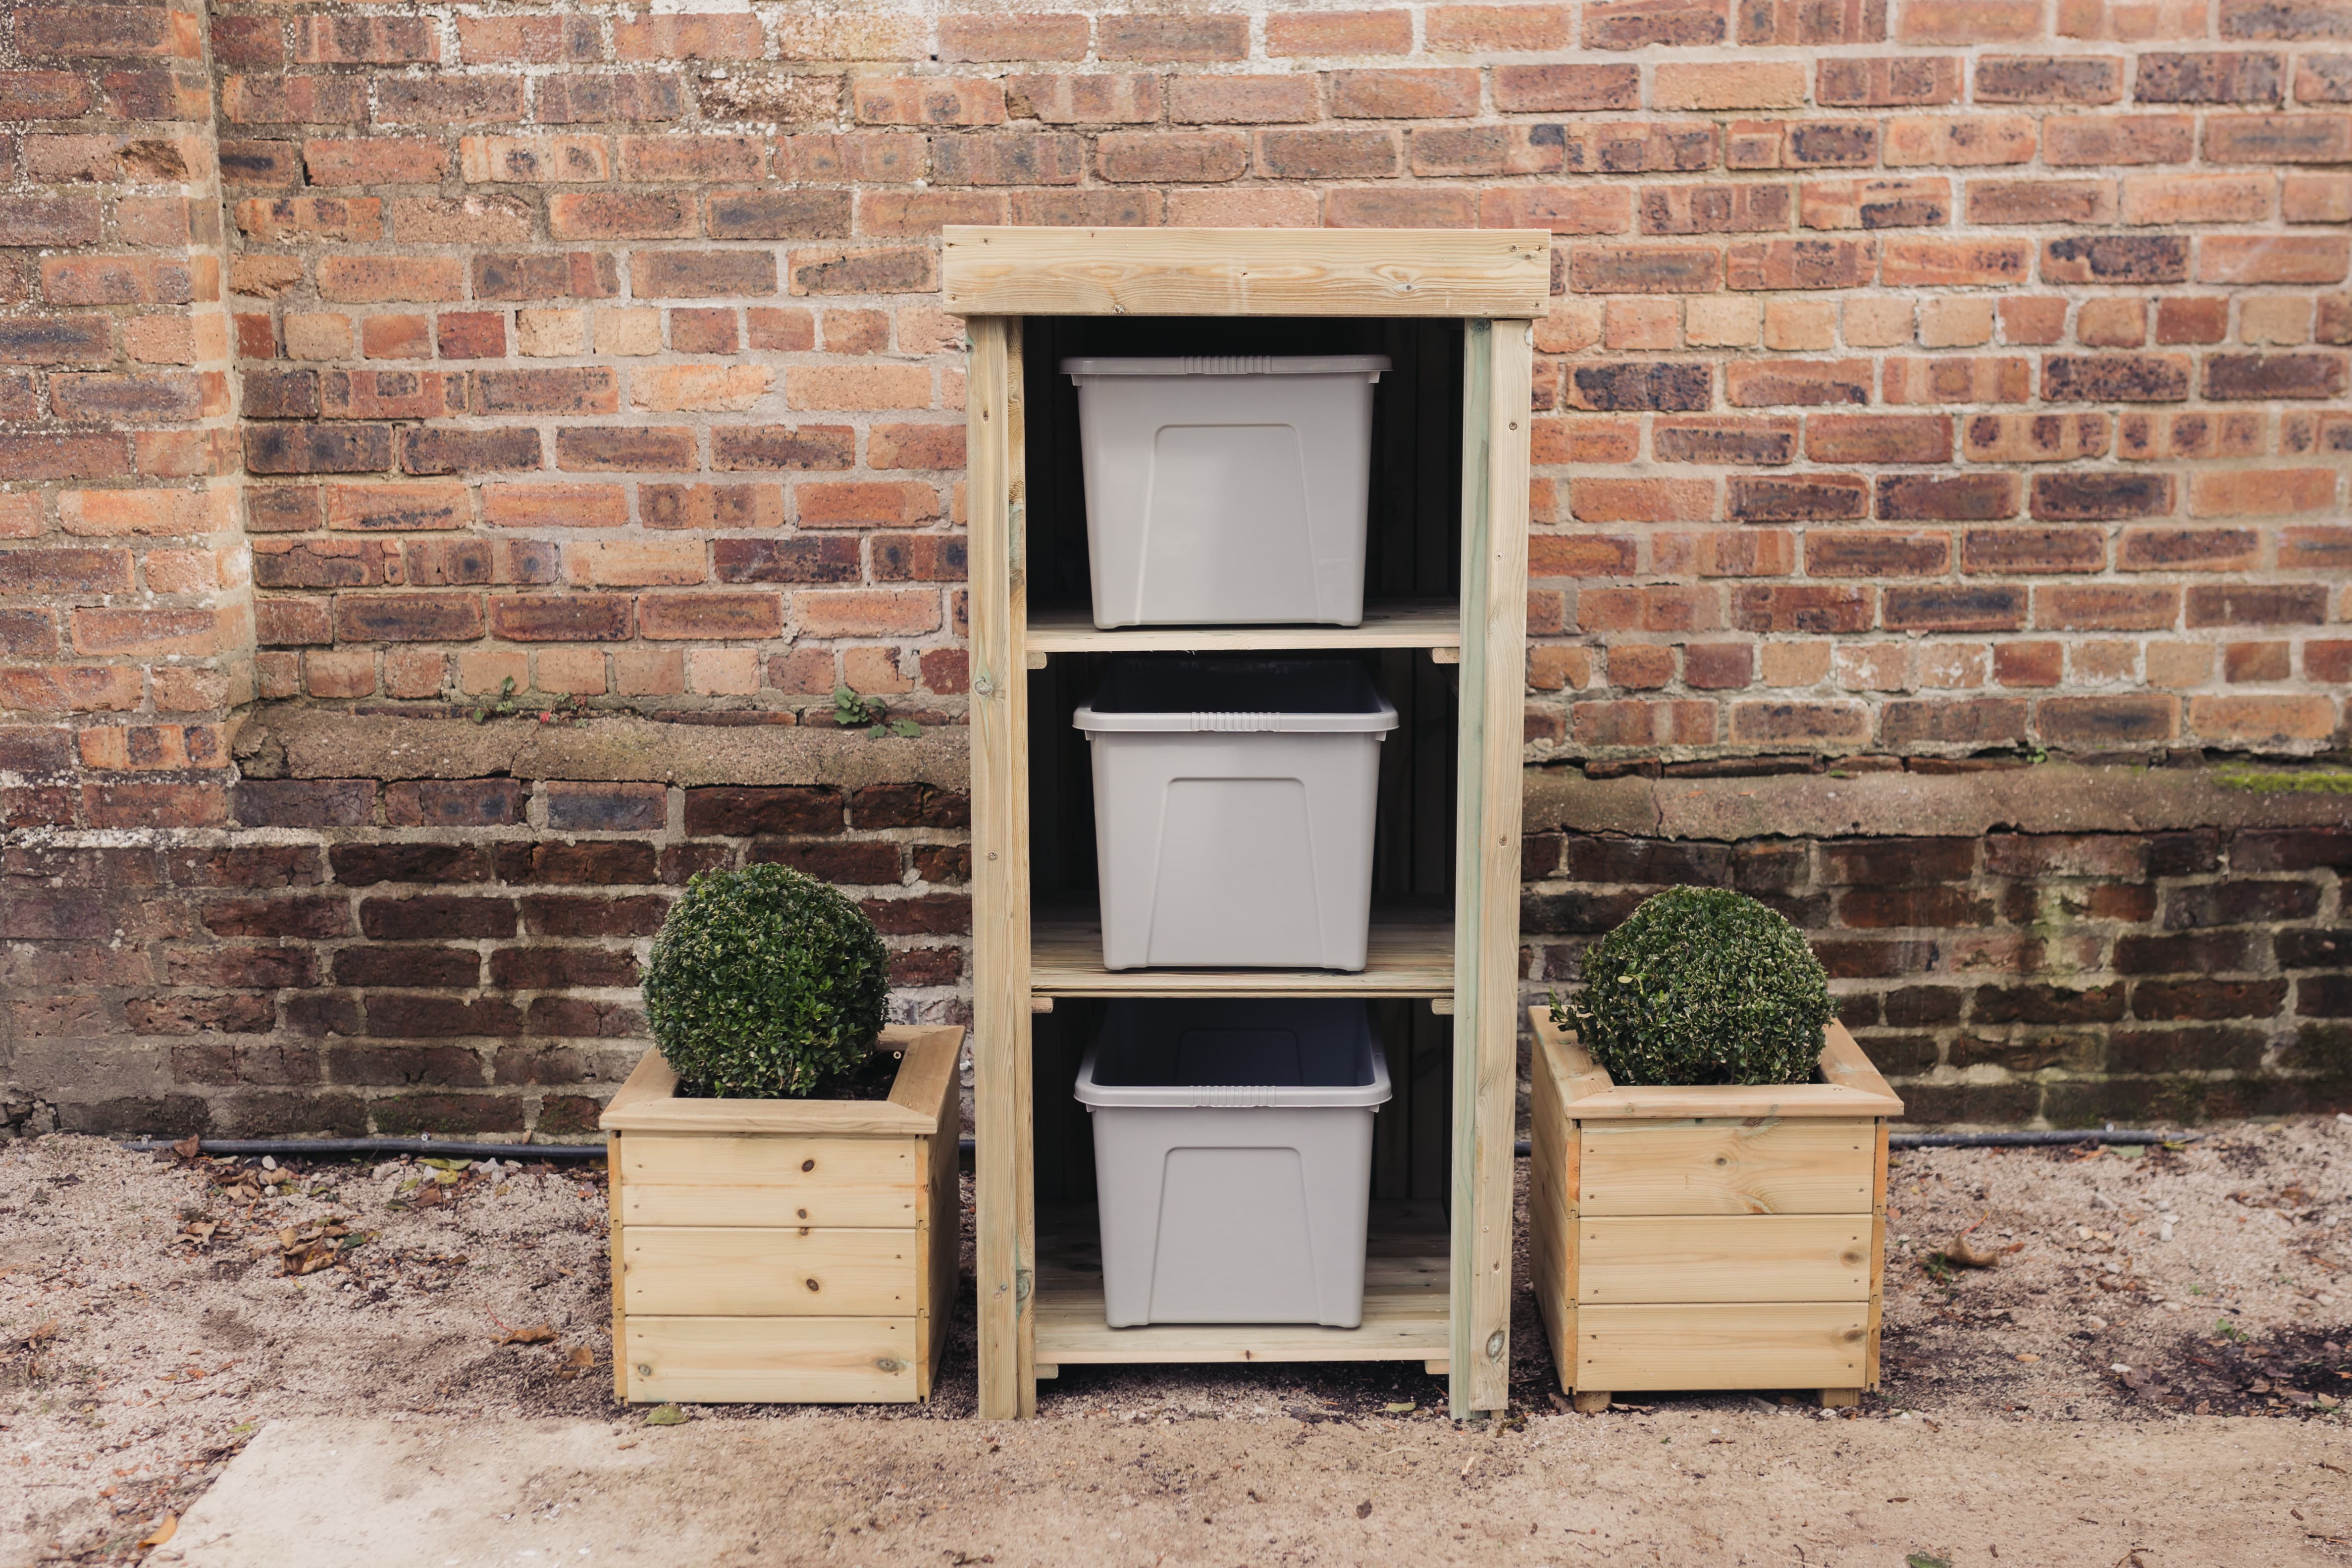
1004 1215
1497 366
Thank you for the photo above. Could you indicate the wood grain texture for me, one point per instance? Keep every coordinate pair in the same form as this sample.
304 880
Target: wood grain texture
1407 955
1404 1302
743 1179
1726 1167
616 1192
1792 1345
646 1101
1430 623
810 1360
996 489
1723 1258
1858 1089
696 1272
1498 367
998 271
1554 1150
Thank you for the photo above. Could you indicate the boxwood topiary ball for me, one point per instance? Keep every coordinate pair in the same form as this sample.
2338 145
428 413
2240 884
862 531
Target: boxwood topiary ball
764 984
1701 985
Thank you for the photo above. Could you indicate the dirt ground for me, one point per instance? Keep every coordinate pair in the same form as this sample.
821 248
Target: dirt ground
156 1311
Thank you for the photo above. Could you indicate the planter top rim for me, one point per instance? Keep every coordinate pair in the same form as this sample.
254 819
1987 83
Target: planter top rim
648 1101
1850 1085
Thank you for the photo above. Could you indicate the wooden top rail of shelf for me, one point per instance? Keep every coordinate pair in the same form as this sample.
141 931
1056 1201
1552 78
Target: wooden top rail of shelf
1410 955
1010 272
1852 1086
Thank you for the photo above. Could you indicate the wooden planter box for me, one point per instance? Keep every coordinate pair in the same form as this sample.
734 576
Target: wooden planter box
784 1249
1709 1237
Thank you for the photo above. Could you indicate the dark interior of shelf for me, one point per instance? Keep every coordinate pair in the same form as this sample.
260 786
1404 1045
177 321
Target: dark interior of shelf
1412 550
1415 544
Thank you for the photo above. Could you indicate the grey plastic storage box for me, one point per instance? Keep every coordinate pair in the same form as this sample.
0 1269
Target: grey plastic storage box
1226 491
1233 811
1234 1158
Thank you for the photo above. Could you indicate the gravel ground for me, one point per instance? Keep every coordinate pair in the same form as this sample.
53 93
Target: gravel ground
155 1310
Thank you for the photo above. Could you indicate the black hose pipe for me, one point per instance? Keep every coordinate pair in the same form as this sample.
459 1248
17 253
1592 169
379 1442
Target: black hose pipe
312 1148
436 1148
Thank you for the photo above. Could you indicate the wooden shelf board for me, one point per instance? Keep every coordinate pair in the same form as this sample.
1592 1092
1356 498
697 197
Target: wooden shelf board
1419 623
1410 954
1405 1274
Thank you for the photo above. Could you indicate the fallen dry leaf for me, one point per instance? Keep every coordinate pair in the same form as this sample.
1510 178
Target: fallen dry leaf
1968 1255
163 1531
540 1335
43 1332
581 1360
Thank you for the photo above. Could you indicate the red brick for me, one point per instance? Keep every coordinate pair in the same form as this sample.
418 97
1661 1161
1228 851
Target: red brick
1019 37
1162 157
1888 83
2261 493
677 37
2227 76
2127 139
1199 37
2094 721
1340 34
1129 98
1398 95
1639 723
1328 154
1785 264
1562 209
1750 384
2070 78
1875 204
1971 21
1876 555
1496 29
1879 438
1567 89
2080 497
2115 378
1956 498
365 40
2101 607
1969 607
2268 258
926 100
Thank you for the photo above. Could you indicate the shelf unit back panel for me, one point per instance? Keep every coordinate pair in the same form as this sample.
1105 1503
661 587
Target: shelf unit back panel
1414 545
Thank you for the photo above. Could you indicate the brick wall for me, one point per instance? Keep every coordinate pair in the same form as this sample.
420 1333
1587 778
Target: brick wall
1926 383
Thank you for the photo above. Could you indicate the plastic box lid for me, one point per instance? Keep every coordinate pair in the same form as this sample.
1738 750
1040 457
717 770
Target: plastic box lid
1228 1053
1300 696
1370 366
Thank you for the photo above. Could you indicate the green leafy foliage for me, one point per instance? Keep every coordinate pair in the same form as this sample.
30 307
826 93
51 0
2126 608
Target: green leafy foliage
764 985
852 711
1701 985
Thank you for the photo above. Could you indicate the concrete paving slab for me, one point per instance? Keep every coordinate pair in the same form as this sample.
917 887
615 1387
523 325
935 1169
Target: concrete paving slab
1673 1487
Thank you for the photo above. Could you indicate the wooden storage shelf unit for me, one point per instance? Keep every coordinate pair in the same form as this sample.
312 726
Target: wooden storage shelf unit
1036 1310
1709 1237
784 1249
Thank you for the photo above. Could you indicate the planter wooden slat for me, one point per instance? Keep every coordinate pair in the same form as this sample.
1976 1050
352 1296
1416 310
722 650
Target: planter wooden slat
749 1180
1724 1257
1713 1237
1726 1167
690 1272
785 1249
783 1360
1779 1345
